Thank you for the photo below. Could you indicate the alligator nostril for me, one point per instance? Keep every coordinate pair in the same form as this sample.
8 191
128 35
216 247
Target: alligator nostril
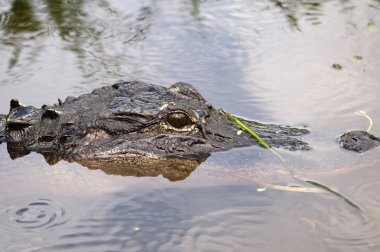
51 113
116 86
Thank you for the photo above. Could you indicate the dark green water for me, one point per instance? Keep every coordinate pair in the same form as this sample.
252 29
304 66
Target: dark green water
266 60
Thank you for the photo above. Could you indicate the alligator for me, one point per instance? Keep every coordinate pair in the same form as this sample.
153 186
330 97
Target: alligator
136 124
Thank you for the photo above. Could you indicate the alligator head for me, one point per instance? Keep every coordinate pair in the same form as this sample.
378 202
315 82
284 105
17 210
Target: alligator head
130 121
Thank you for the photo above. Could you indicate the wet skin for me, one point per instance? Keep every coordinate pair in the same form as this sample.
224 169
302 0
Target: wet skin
136 124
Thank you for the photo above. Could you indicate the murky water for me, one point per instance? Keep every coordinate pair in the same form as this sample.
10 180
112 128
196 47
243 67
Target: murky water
266 60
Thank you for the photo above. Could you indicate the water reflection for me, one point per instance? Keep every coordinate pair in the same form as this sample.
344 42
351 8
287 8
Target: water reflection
28 26
292 9
69 19
20 18
83 31
171 168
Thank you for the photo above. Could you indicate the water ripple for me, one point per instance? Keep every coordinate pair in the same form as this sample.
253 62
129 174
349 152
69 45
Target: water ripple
38 215
339 226
353 233
367 190
363 234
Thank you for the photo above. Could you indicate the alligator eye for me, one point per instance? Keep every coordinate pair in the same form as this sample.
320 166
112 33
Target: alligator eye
178 119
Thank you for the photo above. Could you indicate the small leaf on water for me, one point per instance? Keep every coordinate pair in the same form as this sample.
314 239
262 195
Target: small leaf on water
336 66
357 58
261 189
239 132
371 26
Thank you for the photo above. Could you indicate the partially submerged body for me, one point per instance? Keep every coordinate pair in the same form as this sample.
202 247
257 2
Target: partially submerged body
129 122
359 141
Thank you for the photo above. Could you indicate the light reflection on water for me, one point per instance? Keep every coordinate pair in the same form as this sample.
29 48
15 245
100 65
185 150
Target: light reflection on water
268 60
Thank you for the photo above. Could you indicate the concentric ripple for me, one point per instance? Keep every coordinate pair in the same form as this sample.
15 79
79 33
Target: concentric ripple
37 215
366 190
345 228
353 234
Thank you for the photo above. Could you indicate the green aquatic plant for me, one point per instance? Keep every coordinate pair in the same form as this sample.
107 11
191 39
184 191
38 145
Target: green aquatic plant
252 133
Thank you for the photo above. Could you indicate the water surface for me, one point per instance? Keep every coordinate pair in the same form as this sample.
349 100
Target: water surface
265 60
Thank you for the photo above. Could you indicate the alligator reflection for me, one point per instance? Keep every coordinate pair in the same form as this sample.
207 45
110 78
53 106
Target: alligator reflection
170 168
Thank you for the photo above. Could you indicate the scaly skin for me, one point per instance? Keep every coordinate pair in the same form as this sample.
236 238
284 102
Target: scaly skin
142 129
135 119
359 141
